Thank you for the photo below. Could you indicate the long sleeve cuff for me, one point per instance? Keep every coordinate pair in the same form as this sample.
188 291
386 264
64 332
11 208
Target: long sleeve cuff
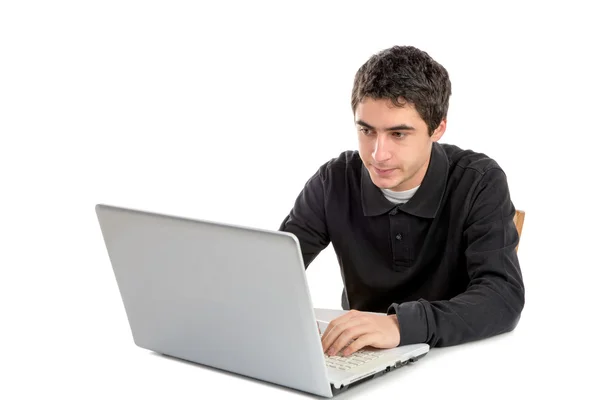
412 320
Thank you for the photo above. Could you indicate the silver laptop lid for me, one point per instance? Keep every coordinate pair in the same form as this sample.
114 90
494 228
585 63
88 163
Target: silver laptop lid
230 297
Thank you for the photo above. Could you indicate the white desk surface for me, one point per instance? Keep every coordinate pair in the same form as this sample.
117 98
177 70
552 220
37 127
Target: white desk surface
510 366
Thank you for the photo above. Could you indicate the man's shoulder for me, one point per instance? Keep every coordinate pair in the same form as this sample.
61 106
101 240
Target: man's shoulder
461 160
341 169
348 159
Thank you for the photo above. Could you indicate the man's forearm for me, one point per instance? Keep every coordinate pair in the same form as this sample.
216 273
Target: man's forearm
485 310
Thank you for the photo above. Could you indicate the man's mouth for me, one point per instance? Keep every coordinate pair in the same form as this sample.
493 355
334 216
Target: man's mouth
383 171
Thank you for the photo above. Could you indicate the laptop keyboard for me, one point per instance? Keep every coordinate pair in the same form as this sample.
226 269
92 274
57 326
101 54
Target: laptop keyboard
345 363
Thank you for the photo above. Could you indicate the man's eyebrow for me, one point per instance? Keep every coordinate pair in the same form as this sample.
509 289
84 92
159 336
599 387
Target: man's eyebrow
401 127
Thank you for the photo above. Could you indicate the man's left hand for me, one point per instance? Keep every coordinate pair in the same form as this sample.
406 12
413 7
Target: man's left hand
381 331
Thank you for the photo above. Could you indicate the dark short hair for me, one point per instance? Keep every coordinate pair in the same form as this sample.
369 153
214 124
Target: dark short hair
405 74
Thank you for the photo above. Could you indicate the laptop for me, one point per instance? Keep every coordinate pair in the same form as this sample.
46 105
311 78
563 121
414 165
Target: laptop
232 298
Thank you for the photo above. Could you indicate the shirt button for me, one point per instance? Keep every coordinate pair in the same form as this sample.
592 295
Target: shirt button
399 236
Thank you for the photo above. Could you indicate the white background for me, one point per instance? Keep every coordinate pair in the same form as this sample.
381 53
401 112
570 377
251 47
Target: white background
223 112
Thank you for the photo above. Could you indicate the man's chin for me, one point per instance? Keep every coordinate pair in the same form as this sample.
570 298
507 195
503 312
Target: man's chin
385 183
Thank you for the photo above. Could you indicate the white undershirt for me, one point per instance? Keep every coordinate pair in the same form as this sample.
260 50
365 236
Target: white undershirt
399 197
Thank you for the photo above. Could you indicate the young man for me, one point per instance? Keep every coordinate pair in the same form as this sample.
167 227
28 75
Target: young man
423 231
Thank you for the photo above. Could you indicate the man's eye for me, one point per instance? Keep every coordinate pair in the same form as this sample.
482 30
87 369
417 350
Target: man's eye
365 131
399 135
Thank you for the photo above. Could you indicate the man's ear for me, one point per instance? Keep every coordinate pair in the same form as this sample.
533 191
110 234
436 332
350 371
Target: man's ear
439 131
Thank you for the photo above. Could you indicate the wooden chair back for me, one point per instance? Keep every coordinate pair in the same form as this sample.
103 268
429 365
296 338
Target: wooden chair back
519 219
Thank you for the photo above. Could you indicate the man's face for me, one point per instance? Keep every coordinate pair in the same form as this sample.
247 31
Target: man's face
394 143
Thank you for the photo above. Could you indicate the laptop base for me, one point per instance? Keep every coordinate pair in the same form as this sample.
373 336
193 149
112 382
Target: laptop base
335 390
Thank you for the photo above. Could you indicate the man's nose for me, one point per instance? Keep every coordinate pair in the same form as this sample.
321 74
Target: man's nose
381 151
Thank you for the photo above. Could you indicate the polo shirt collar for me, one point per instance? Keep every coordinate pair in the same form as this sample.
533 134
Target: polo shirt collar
425 202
